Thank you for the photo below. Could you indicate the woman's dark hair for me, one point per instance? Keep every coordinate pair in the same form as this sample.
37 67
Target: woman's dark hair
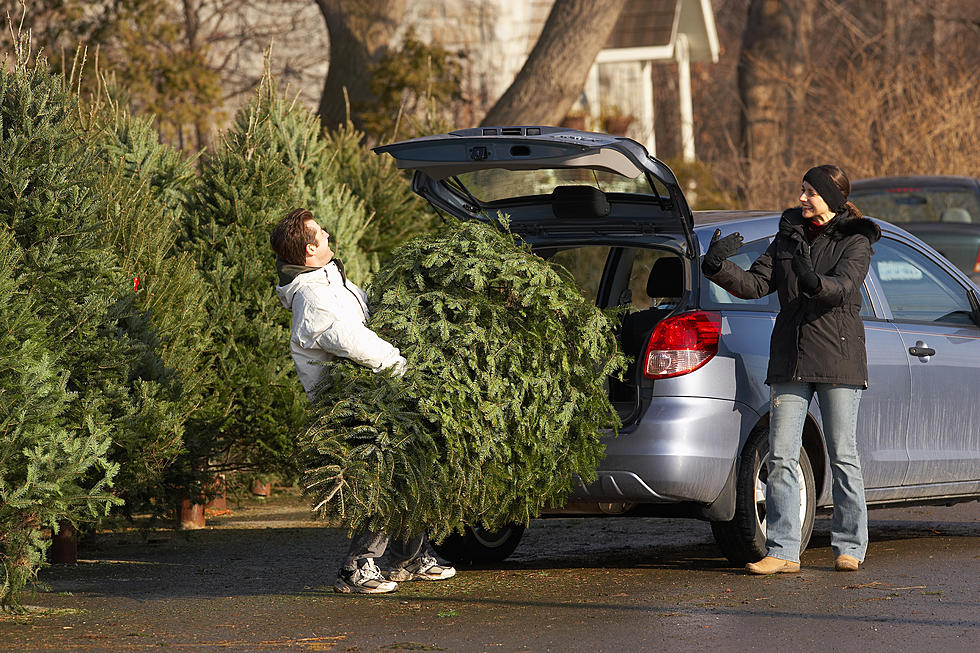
291 236
844 184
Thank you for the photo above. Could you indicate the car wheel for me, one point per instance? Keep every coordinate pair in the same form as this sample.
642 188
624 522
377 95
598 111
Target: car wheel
479 545
743 539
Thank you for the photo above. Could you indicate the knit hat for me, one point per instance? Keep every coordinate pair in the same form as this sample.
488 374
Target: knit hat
823 184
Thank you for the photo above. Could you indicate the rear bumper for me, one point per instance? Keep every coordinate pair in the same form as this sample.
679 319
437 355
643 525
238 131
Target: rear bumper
681 450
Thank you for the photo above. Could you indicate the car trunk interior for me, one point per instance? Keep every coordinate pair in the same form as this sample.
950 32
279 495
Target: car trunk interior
646 285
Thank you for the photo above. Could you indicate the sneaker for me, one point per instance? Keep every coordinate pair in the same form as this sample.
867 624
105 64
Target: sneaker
366 579
423 568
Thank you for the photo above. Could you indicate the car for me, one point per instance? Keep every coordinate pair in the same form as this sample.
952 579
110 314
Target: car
694 405
942 210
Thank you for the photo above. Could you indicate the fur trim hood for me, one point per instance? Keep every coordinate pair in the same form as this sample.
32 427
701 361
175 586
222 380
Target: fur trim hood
841 226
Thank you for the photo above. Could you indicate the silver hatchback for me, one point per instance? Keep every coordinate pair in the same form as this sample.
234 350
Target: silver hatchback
694 404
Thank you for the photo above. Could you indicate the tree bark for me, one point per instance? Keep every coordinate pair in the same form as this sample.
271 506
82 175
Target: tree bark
771 72
360 31
555 71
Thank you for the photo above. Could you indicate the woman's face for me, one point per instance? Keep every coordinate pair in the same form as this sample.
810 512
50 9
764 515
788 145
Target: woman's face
814 207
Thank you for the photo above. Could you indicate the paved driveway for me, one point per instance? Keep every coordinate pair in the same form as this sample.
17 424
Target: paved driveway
259 580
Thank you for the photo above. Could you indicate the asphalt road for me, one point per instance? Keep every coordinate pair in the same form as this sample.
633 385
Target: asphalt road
260 580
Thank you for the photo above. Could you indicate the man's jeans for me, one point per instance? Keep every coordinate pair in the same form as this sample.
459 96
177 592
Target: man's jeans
367 544
839 410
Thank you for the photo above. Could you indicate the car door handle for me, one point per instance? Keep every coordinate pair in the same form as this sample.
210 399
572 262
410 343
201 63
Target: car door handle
922 351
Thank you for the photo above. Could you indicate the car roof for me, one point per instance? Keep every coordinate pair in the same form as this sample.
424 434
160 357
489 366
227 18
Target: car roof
915 180
753 225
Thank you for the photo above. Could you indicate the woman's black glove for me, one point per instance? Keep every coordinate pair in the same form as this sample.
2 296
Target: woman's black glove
718 250
807 279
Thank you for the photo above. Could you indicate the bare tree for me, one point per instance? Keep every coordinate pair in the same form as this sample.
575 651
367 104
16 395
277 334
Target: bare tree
555 71
771 78
360 31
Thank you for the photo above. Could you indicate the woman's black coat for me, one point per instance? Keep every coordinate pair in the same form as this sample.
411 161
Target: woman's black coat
817 338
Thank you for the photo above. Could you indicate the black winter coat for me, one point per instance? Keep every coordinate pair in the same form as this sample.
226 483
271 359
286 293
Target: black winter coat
817 338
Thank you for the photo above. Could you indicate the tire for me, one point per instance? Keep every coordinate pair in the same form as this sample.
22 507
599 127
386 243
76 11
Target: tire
743 539
478 545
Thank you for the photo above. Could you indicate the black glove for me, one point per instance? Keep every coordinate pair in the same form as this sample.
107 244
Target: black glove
718 250
807 279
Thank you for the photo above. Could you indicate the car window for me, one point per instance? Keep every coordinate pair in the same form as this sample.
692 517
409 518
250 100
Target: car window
586 265
916 288
919 204
496 184
644 261
714 296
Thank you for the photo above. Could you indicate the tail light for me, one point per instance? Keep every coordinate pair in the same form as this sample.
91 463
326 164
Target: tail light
681 344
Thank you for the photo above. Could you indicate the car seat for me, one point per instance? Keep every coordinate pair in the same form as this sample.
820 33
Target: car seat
666 280
955 214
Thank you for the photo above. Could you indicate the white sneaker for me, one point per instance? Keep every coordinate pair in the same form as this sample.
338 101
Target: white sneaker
423 568
366 579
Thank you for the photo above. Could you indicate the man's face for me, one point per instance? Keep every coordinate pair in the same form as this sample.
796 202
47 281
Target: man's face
318 253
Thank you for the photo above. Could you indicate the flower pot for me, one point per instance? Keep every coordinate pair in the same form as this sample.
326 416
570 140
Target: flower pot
261 488
217 487
190 516
64 545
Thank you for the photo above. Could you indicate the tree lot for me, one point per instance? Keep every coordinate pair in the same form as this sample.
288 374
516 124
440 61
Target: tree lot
143 346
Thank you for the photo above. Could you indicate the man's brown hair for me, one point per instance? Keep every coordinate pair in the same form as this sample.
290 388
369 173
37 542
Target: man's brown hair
291 236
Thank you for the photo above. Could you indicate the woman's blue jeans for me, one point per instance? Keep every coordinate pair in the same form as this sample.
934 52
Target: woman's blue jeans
839 410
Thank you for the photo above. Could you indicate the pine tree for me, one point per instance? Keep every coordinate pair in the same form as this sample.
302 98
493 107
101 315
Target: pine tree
143 188
49 470
270 162
503 402
397 213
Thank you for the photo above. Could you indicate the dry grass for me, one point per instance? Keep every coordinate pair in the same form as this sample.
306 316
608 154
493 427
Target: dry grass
920 116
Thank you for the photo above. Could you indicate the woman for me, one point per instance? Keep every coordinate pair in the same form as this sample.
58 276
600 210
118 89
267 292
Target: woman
816 264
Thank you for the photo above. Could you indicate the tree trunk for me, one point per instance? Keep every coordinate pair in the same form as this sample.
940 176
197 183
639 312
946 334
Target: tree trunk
771 71
555 71
360 31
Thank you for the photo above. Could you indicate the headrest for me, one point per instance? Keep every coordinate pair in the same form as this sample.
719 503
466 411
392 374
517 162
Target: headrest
579 202
666 278
955 214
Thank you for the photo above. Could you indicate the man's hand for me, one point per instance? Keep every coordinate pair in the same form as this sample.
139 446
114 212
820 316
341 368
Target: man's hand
718 250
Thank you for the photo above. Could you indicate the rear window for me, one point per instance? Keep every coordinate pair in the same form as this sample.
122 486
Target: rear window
961 249
496 184
919 204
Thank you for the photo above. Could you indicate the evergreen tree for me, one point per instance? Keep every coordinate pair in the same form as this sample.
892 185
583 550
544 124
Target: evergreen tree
143 188
270 162
397 213
503 402
50 471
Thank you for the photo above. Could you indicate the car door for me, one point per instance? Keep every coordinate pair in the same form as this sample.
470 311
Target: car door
934 312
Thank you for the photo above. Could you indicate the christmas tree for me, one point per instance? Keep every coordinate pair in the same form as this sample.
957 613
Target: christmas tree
502 405
271 161
143 189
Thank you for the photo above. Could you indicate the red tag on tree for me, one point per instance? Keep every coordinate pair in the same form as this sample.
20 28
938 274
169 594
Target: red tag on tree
136 284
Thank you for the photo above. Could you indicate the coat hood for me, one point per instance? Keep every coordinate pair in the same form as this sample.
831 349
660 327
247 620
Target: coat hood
291 278
289 271
842 225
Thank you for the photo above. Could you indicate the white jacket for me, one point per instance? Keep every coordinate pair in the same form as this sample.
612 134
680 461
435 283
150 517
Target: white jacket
329 320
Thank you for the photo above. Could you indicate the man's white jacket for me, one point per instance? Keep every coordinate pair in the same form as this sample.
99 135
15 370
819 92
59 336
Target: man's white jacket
330 316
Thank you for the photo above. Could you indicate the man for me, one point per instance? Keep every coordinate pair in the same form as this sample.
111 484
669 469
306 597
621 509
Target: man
330 316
